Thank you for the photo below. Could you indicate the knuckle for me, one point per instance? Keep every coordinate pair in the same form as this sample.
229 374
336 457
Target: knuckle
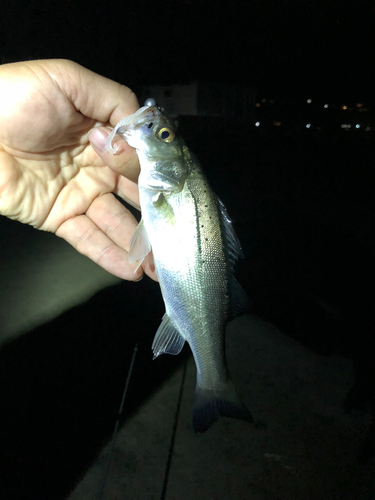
104 253
86 236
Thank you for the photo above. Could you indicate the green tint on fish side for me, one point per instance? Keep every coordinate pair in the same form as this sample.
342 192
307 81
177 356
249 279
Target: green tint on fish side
195 249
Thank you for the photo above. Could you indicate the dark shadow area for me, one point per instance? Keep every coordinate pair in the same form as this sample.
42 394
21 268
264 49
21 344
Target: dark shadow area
304 210
303 207
61 386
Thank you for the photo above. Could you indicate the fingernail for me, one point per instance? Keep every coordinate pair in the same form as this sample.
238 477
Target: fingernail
98 139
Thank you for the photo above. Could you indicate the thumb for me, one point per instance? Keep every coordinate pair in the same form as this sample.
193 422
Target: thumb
124 162
102 100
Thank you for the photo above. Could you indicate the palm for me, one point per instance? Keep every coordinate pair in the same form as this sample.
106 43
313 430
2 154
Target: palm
50 176
46 154
46 189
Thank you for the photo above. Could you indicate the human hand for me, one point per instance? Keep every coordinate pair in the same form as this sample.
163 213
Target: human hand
51 177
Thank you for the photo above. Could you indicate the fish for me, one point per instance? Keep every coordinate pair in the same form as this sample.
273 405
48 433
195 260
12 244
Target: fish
195 249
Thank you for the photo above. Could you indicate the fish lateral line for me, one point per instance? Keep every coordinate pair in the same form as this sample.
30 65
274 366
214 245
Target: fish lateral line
195 252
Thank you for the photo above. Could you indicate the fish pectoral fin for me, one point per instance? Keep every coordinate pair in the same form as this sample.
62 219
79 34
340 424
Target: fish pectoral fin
167 339
140 245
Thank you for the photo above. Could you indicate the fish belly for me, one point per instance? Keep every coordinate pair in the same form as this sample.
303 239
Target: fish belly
188 247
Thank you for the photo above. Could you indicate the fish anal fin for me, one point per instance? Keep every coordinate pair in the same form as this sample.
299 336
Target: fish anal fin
209 404
167 339
140 244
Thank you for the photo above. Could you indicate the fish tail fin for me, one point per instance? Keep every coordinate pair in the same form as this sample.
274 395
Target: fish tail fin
209 404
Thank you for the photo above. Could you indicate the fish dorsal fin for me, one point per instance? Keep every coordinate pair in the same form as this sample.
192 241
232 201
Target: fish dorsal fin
239 300
167 339
234 246
140 245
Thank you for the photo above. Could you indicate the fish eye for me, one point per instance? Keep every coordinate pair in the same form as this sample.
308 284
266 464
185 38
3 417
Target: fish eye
165 134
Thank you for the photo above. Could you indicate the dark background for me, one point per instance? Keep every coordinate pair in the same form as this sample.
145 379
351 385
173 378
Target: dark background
284 47
301 201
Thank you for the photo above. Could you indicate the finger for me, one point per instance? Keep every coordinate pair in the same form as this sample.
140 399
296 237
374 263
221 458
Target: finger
88 239
148 266
93 95
116 222
128 191
111 217
125 162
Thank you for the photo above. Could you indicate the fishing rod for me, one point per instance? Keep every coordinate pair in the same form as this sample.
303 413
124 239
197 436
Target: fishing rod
117 424
174 431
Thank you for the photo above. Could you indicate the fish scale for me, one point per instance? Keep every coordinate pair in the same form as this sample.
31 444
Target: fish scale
194 248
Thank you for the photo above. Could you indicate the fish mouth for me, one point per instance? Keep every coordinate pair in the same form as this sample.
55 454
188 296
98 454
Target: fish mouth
136 117
127 124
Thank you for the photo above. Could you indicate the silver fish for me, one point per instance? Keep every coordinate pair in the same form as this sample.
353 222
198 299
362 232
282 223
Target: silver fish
195 249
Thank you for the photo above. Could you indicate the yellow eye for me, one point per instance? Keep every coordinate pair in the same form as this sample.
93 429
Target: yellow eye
165 134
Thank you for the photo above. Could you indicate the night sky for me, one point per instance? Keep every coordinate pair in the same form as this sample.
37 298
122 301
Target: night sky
285 48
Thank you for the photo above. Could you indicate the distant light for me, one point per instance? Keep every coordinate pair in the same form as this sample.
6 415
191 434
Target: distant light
359 105
346 126
308 125
326 106
344 107
277 123
263 100
257 105
358 125
257 124
309 101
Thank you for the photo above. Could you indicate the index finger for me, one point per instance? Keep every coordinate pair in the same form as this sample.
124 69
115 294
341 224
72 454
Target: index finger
93 95
102 100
